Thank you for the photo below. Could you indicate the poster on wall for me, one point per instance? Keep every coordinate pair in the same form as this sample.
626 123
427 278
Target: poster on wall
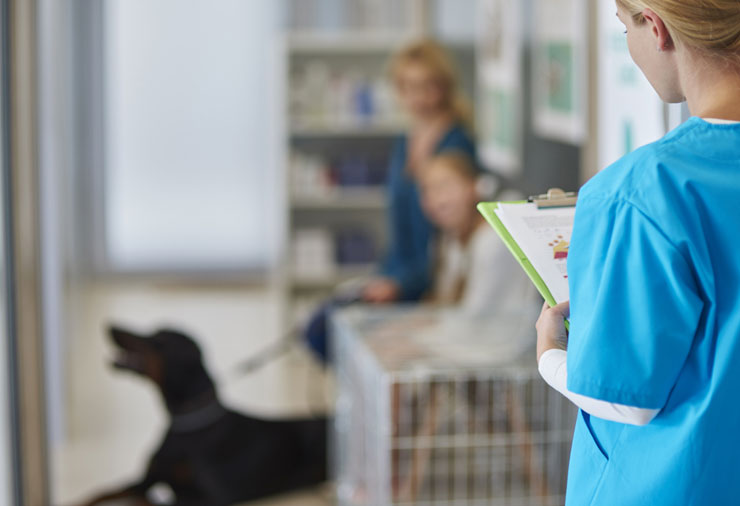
630 112
559 69
499 48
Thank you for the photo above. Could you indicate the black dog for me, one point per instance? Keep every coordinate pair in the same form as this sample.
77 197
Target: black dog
210 455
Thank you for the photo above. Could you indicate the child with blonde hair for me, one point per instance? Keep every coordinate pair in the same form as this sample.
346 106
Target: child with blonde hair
474 270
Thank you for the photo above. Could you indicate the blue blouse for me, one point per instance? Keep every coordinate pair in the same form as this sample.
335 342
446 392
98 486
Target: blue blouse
408 258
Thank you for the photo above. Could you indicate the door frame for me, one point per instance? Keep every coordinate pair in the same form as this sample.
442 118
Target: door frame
23 253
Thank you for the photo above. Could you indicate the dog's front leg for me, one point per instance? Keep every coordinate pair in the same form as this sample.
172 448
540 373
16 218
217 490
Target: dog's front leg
197 502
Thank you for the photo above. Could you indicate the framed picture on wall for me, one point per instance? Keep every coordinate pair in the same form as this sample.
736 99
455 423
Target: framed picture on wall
559 69
499 49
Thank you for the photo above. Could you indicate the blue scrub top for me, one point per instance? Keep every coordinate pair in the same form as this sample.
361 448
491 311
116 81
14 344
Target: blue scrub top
654 268
408 258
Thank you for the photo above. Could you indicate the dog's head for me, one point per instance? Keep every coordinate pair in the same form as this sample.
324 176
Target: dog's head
169 358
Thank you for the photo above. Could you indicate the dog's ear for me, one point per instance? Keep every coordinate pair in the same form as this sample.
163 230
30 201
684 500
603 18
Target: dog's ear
177 348
184 372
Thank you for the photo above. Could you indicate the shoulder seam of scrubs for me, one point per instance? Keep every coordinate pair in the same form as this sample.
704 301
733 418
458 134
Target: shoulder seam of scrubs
693 124
625 200
628 163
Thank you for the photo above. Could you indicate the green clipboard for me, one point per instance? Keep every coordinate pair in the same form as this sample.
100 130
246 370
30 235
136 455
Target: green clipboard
487 209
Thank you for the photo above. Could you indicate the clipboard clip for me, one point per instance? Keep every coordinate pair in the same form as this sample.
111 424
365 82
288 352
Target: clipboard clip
555 197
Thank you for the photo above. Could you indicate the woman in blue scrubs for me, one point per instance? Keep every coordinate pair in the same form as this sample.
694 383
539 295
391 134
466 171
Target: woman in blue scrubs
653 353
440 120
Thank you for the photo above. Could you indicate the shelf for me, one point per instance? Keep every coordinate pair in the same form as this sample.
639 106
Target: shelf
343 199
367 42
347 42
330 280
306 129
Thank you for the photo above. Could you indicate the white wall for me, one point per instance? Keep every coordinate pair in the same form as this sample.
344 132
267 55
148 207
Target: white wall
188 112
455 20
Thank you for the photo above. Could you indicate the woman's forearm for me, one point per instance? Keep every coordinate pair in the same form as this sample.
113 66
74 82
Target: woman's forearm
552 367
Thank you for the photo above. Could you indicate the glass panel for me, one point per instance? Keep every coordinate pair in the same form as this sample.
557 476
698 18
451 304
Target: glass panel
6 451
189 174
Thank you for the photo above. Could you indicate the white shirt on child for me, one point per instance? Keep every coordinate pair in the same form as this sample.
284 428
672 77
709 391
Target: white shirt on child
492 279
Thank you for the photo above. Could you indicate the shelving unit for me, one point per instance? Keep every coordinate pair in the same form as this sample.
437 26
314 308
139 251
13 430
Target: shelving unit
341 121
345 42
337 157
370 198
301 130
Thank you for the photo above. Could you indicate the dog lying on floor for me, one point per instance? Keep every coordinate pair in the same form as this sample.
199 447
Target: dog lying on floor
210 455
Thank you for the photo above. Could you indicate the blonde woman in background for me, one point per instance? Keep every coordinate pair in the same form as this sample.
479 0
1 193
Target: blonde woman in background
440 120
654 344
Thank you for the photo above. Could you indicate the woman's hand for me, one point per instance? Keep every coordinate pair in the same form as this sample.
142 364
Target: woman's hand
551 333
381 291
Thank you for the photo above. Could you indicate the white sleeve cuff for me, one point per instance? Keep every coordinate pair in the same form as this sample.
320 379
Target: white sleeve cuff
553 369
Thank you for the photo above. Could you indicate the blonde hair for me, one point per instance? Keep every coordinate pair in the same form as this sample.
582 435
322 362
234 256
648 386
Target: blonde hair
457 161
709 25
434 57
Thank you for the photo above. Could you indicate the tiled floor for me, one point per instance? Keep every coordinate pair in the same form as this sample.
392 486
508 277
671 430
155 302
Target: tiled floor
114 420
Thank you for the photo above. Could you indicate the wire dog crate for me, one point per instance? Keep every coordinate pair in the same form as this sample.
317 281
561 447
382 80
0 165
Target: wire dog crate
429 419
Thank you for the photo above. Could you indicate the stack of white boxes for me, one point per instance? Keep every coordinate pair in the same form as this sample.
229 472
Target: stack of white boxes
313 253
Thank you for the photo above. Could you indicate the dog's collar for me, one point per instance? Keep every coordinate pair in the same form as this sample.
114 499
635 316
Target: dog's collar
198 419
